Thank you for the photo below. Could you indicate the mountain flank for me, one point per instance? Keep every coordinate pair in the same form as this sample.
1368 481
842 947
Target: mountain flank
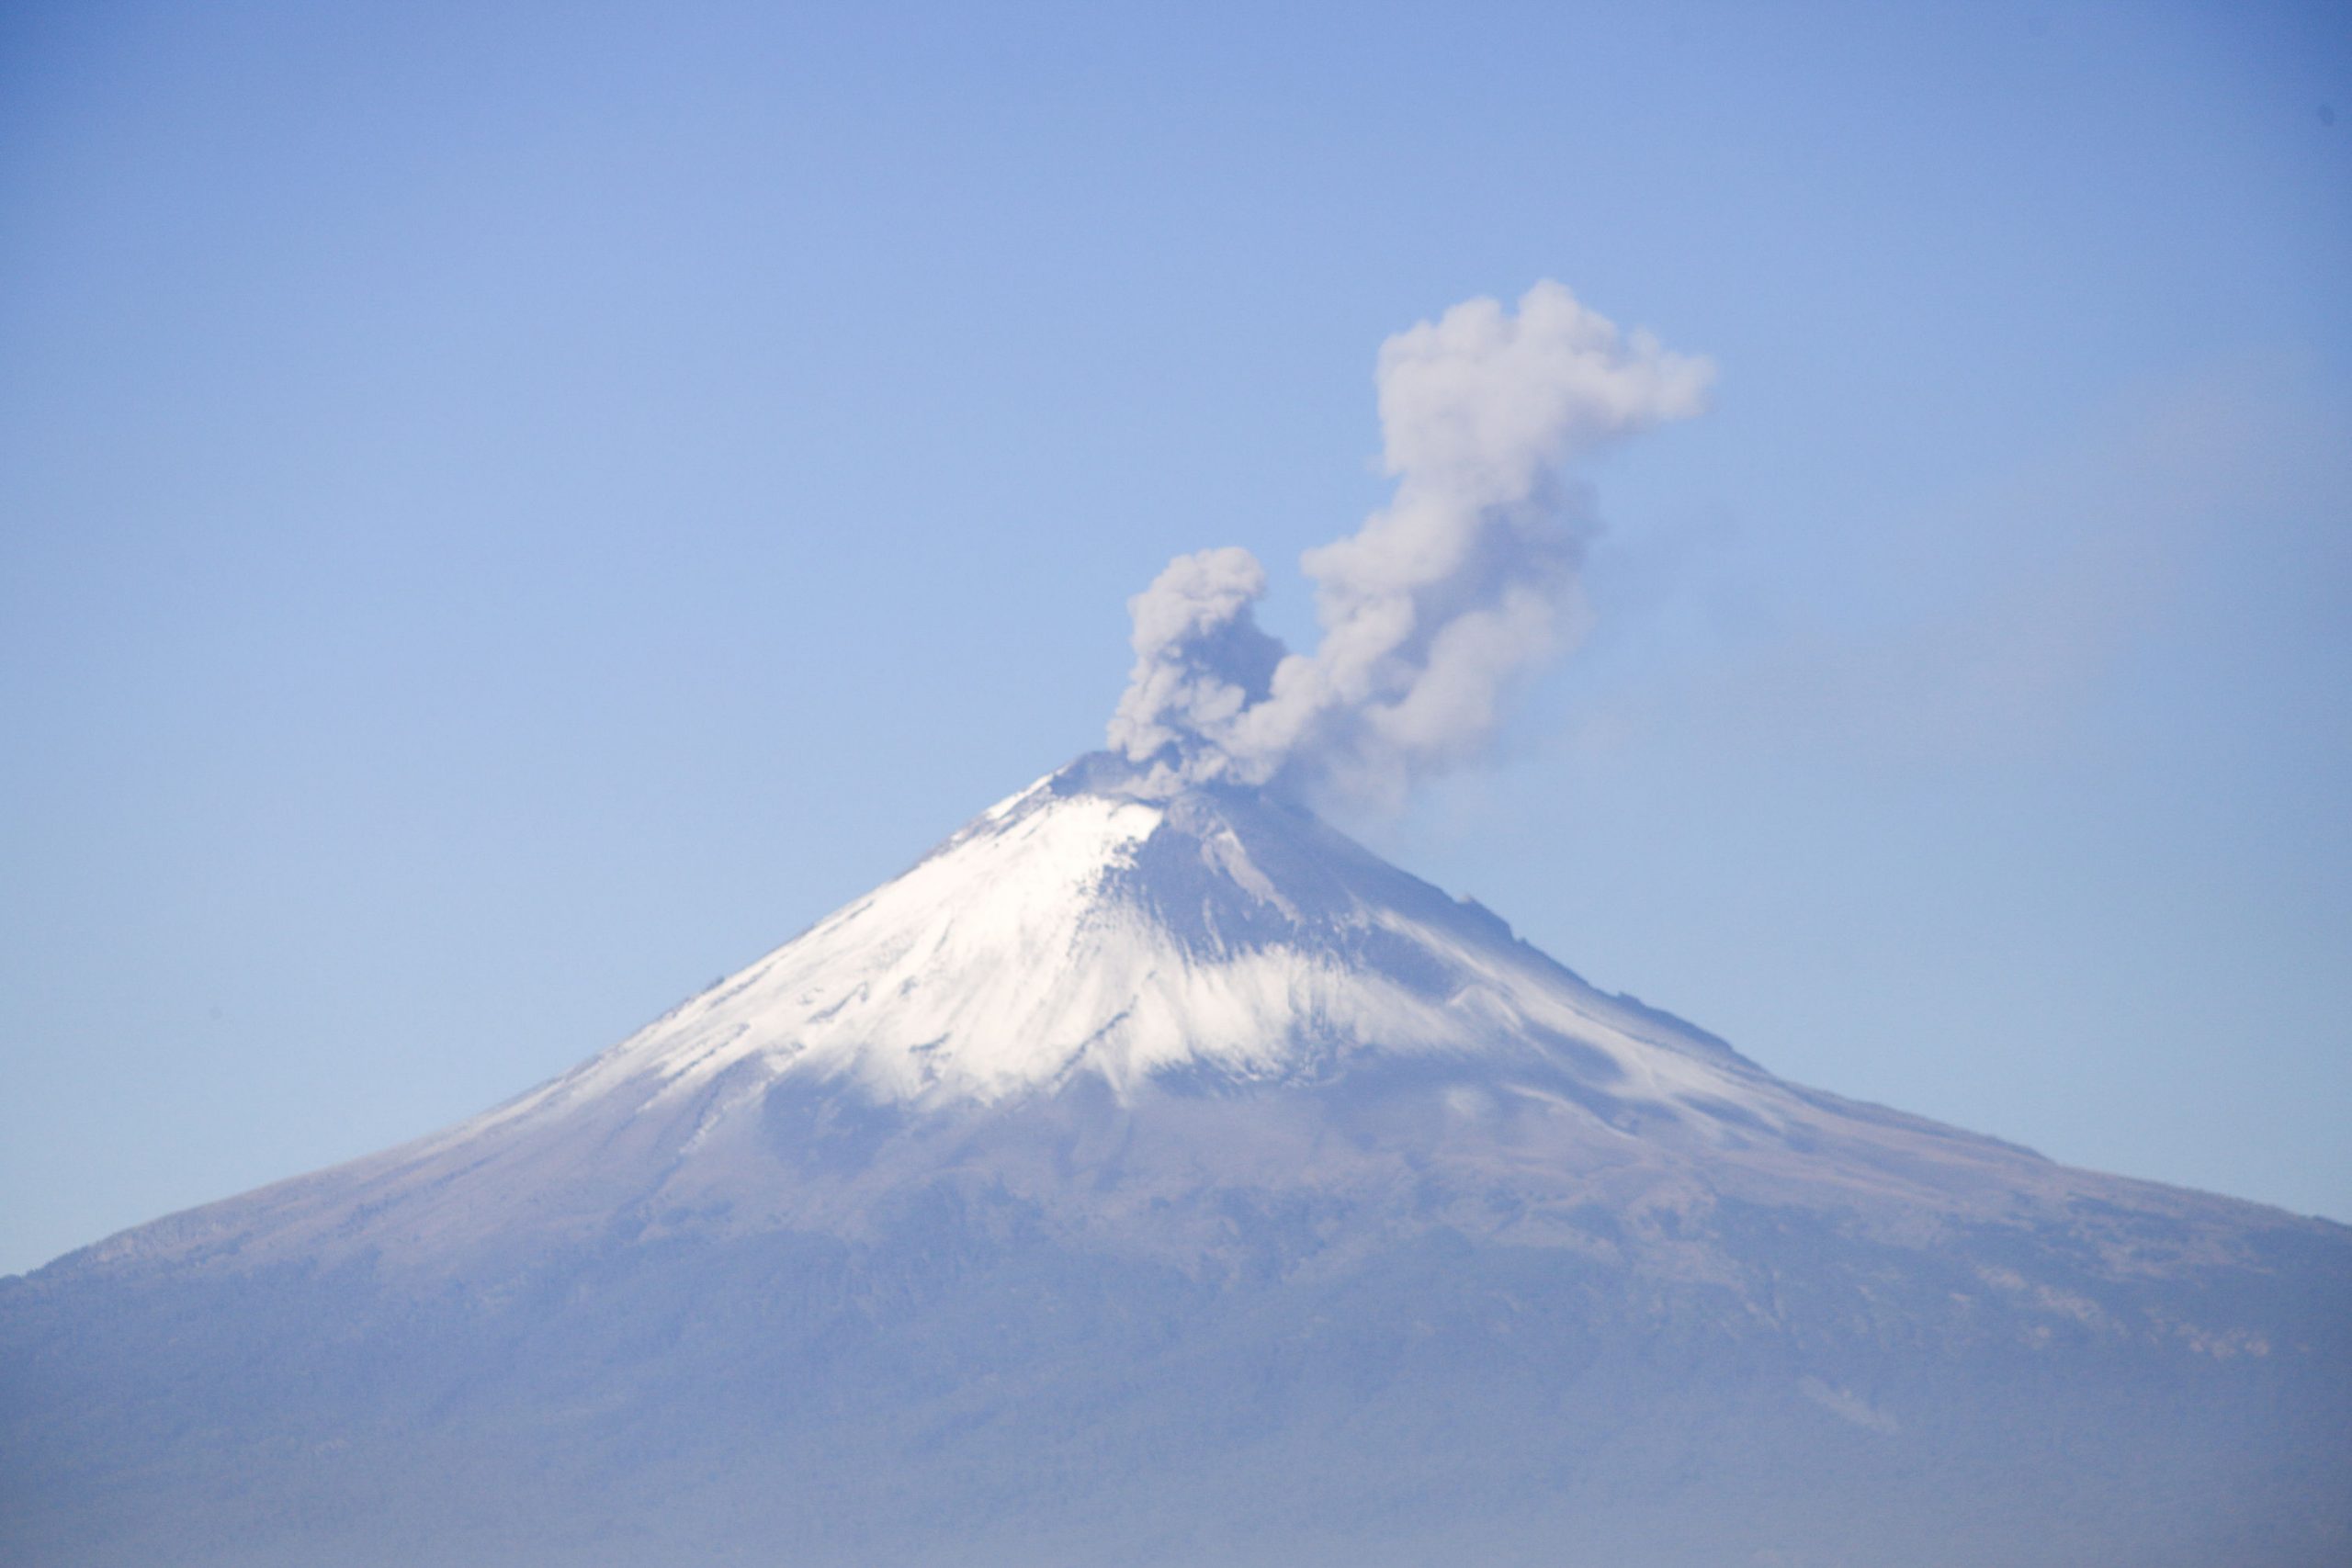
1153 1175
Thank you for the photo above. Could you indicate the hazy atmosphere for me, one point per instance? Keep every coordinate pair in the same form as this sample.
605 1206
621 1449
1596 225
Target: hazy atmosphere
505 516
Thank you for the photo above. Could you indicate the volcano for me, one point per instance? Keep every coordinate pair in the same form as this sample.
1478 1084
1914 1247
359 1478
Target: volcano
1159 1176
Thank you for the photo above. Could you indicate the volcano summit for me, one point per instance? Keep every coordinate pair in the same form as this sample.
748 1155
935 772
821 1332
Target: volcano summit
1153 1175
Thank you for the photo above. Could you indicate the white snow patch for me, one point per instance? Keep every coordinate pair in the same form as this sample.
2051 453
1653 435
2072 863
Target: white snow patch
1031 947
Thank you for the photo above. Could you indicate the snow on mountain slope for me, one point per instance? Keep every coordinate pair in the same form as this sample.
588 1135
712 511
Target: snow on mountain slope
1074 928
1109 1003
1128 1152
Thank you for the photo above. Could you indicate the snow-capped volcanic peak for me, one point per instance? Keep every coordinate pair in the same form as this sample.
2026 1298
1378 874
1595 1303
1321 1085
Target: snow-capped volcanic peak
1079 926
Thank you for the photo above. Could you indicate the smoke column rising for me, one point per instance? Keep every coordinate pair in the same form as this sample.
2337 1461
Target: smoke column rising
1435 607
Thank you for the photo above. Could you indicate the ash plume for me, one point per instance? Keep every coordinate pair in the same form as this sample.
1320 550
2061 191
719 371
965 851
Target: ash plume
1432 610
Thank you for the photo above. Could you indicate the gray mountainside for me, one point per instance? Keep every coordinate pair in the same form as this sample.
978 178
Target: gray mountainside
1170 1180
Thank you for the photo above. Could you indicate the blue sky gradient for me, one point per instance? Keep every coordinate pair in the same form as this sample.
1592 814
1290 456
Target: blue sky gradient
505 516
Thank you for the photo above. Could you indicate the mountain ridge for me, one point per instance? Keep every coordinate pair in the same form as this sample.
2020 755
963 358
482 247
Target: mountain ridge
1170 1181
1219 908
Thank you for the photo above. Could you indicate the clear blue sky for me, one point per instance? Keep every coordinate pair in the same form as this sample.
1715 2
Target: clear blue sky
506 513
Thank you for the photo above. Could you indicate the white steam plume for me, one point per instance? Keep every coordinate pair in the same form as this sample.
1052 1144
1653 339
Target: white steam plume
1431 610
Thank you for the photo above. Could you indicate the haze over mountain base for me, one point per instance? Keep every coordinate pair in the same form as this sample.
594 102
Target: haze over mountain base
1170 1181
